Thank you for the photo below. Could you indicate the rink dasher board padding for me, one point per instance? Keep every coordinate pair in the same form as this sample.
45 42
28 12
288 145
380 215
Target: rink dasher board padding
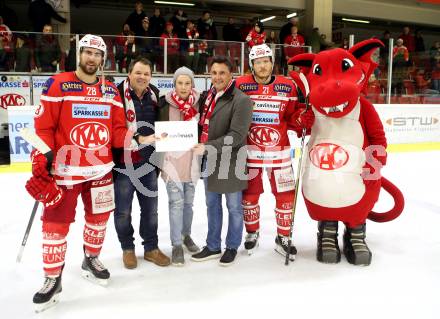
408 127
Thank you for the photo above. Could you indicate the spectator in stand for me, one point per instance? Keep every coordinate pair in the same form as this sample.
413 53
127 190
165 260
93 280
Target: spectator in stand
145 45
5 46
287 28
256 35
40 13
386 48
245 29
173 45
419 42
294 45
192 52
125 48
206 27
408 40
315 40
47 51
272 38
22 54
400 67
434 54
231 32
134 20
70 63
325 44
157 23
179 23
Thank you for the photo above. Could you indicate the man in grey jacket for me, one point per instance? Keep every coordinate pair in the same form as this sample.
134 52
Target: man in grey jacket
225 118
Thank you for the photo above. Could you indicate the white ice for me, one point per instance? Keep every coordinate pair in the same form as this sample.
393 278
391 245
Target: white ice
403 280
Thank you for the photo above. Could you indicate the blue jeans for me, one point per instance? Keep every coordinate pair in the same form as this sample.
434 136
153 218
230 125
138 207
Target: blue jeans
124 193
215 219
180 203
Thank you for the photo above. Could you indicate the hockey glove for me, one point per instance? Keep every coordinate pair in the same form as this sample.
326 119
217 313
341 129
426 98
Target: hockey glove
45 190
306 119
39 164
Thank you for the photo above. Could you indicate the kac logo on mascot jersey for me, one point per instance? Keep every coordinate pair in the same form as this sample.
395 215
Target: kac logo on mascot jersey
11 99
90 135
264 136
328 156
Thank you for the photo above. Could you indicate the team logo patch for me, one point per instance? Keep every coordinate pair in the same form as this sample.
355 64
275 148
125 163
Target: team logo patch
71 86
90 111
247 87
265 118
11 99
328 156
47 85
90 135
264 136
130 115
110 90
267 106
285 88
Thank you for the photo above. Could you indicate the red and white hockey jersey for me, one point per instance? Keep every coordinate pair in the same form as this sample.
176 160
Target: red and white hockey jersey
80 124
274 109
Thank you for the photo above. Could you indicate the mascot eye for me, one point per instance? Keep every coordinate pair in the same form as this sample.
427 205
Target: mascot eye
346 64
317 69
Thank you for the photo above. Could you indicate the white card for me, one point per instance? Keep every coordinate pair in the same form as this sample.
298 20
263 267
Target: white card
180 135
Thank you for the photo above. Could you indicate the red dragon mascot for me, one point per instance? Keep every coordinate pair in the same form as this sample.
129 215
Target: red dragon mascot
345 152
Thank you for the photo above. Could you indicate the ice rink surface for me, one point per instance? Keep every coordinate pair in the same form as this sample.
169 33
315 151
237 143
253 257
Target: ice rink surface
403 280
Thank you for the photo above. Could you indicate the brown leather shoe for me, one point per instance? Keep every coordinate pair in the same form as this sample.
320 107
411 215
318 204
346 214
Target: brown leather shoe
157 257
129 259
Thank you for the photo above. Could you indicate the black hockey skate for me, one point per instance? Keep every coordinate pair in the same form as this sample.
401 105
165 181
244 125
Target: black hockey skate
94 270
355 248
282 243
328 248
251 242
48 296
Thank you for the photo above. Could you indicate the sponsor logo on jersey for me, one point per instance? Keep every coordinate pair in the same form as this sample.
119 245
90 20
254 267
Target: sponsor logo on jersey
90 111
279 87
328 156
265 118
71 86
264 136
47 85
247 87
11 99
110 90
267 106
90 135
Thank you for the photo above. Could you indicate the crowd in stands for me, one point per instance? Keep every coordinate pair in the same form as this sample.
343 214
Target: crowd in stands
186 41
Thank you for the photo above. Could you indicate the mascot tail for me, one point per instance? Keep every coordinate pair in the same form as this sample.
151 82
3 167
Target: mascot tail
399 203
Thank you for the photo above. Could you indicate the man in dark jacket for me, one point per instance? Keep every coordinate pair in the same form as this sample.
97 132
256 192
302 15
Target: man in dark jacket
134 20
225 118
40 13
134 171
47 51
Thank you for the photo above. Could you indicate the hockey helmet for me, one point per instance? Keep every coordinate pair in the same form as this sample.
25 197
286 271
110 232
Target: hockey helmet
260 51
95 42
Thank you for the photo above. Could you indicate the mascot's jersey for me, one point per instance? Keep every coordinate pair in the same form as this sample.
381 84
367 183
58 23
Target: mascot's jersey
274 110
335 157
80 126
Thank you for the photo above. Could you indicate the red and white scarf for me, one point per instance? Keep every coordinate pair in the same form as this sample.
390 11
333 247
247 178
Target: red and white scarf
185 107
208 109
191 35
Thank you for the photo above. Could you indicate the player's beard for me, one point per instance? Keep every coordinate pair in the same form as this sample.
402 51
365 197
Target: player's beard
263 76
88 69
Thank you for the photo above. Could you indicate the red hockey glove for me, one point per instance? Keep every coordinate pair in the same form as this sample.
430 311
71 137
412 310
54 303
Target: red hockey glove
306 119
39 164
45 190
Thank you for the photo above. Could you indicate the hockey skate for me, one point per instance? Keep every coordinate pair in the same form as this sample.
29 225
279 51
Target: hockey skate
251 242
282 243
48 296
94 271
355 248
328 249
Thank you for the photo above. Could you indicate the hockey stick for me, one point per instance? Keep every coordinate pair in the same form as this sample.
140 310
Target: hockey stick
306 90
39 144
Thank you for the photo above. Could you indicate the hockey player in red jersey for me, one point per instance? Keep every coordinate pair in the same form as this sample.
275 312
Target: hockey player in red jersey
80 117
275 109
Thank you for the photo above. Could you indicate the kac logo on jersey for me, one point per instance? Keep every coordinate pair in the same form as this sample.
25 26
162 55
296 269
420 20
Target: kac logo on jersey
264 136
328 156
11 100
71 86
90 135
90 111
265 118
